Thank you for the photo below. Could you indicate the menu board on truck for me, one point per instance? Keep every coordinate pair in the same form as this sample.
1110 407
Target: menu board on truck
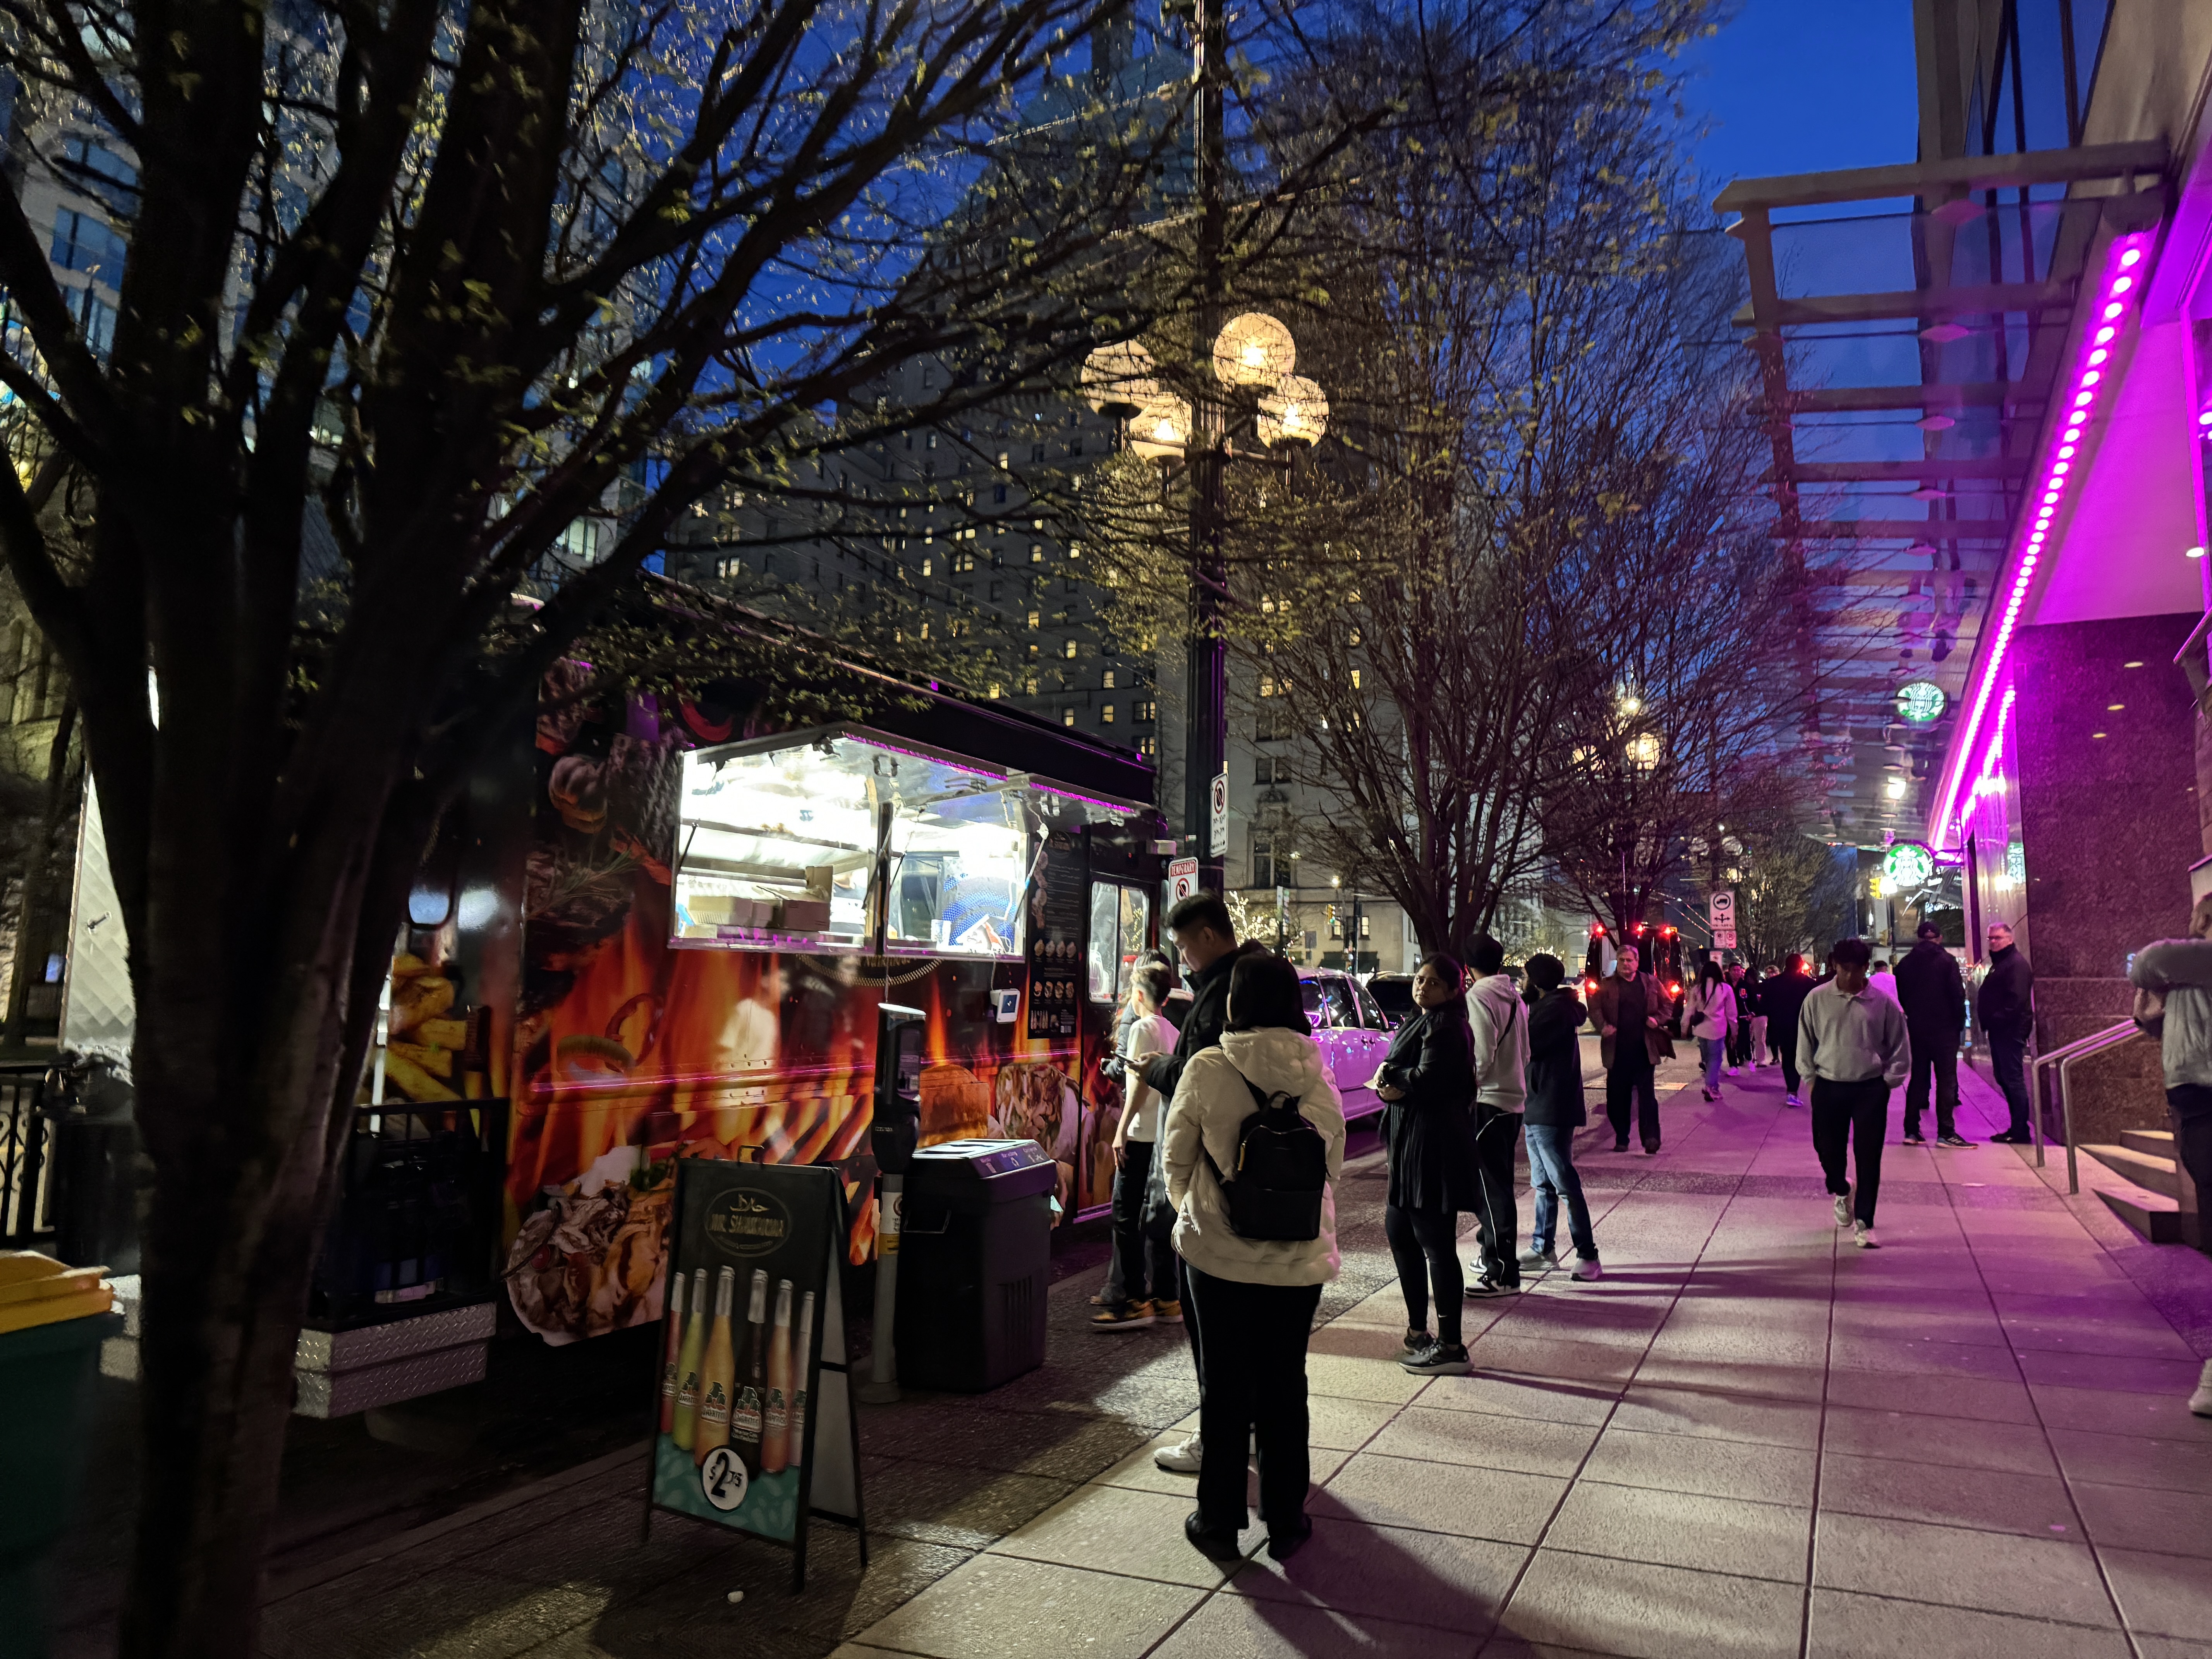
757 1429
1056 937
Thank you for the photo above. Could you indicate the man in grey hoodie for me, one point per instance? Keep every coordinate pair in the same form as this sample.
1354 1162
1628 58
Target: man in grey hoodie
1500 1025
2173 997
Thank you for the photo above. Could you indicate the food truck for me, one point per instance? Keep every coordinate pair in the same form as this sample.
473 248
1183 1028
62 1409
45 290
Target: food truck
674 946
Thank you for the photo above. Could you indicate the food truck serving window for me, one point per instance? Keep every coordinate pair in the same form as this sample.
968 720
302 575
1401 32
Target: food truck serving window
839 839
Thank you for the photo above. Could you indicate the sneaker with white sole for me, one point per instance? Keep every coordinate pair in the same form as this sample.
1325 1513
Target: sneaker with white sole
1438 1359
1128 1316
1863 1235
1844 1208
2201 1401
1414 1342
1587 1269
1533 1257
1484 1285
1732 1071
1793 1101
1186 1458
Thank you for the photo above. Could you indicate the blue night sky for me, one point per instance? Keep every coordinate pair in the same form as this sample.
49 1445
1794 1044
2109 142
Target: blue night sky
1805 86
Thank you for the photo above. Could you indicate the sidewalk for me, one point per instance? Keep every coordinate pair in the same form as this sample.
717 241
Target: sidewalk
1749 1439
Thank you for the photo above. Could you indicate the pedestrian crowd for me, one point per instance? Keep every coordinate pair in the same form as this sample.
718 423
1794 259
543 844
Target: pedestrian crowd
1231 1146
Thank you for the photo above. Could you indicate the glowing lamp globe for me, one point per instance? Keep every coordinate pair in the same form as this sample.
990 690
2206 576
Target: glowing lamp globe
1295 414
1117 380
1160 429
1254 350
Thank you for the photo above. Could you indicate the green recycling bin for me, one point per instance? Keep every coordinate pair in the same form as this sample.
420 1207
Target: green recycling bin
46 1375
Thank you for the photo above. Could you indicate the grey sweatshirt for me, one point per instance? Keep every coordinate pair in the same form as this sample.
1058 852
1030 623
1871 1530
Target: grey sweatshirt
2180 970
1500 1025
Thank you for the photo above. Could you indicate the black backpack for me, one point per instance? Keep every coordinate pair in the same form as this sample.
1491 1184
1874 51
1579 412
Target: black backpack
1282 1172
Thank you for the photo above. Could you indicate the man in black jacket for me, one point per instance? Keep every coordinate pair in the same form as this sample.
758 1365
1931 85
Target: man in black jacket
2006 1009
1933 998
1782 997
1205 941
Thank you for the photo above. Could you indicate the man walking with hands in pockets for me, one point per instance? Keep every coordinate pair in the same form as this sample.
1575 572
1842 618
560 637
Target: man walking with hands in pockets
1853 1048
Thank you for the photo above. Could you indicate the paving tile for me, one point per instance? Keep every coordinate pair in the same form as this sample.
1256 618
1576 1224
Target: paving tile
1266 1627
1842 1625
2099 1334
1064 1446
1919 1434
1714 1468
1400 1491
1551 1360
1718 1416
1676 1529
1991 1500
1351 1567
1595 1605
1986 1397
945 1503
2146 1518
2108 1411
1663 1369
1922 1356
2172 1647
1482 1441
1114 1529
1996 1572
1359 1341
1546 1400
2111 1373
2160 1594
2133 1460
448 1613
1000 1606
1351 1377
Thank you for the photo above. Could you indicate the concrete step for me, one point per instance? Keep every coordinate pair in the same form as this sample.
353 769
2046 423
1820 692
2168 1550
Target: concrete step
2160 1174
2160 1225
2158 1143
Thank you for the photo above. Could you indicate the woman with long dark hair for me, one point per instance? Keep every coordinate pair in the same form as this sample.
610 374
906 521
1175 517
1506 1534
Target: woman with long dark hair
1428 1079
1710 1015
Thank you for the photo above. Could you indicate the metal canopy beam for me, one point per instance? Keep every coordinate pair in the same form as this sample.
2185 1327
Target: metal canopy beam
1981 299
1917 530
1977 466
1946 178
1827 399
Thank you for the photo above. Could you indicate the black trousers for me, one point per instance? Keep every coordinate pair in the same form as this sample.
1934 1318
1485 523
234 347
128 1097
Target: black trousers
1424 1243
2192 1112
1857 1112
1739 1041
1934 1054
1783 1034
1254 1390
2009 1065
1144 1266
1632 1076
1497 1218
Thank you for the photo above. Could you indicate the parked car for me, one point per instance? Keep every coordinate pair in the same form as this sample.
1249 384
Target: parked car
1353 1030
1393 995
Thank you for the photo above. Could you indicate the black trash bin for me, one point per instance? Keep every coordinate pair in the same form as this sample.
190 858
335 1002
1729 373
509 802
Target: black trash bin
95 1177
975 1260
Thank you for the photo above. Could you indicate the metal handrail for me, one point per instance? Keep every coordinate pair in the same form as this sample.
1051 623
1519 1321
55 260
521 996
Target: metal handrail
2081 1048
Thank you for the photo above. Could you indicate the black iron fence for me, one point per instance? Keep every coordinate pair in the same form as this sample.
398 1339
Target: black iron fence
26 1157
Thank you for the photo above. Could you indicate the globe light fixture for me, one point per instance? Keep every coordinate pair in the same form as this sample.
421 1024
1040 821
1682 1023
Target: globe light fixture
1295 414
1254 350
1117 380
1161 428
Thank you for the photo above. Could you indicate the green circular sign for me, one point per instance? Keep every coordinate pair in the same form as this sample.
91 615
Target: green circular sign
1921 702
1908 864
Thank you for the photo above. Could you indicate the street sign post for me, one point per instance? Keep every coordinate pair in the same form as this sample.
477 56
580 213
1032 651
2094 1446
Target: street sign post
1720 912
1218 841
1182 880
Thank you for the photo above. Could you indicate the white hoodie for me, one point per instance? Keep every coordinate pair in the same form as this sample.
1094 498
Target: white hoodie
1500 1024
1212 1101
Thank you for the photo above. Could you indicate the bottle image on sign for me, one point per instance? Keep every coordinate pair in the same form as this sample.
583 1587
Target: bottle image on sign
776 1409
670 1377
718 1374
686 1421
796 1436
745 1414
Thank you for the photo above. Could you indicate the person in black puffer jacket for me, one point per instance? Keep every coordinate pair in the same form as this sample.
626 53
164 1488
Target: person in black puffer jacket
1555 1111
1428 1079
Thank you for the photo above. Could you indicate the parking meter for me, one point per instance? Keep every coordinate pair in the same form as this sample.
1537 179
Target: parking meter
902 1034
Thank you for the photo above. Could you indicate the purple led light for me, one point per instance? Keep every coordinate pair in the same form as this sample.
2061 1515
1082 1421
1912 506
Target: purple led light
2128 254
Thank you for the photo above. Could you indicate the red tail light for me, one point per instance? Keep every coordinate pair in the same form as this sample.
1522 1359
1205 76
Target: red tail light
1674 990
1668 931
1597 930
1589 987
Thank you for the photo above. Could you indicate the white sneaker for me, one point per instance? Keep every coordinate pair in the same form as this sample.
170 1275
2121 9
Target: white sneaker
1863 1235
1842 1209
1731 1071
1586 1270
1793 1101
1532 1257
1184 1459
2201 1401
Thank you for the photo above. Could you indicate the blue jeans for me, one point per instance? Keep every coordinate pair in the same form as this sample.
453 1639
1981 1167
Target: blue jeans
1711 1050
1551 1172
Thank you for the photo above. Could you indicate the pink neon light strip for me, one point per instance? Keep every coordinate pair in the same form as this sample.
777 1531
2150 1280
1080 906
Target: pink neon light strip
2114 294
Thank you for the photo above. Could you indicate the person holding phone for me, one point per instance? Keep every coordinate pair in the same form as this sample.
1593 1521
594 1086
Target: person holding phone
1428 1125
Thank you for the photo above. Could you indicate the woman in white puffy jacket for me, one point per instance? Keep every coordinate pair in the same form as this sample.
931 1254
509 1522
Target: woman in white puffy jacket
1254 1300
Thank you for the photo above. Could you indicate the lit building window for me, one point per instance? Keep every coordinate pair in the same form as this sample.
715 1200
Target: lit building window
1070 652
1106 679
1106 714
1067 716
